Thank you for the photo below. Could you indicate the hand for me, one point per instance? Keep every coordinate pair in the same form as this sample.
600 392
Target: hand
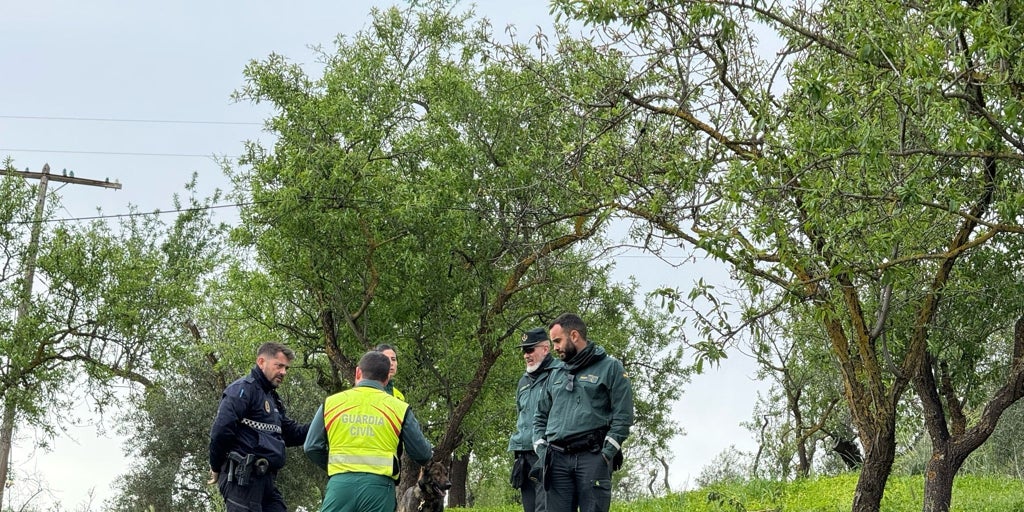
213 477
609 458
537 472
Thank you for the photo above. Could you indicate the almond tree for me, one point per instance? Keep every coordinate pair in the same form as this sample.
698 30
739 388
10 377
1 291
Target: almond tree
428 192
866 165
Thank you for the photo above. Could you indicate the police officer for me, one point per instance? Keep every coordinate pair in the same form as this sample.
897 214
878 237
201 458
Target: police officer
250 433
357 436
389 351
583 417
539 363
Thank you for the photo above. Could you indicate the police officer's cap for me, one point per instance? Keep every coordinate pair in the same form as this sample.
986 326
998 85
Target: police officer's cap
533 337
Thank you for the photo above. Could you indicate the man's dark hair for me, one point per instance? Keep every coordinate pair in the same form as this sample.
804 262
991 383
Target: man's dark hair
272 349
569 323
375 366
384 346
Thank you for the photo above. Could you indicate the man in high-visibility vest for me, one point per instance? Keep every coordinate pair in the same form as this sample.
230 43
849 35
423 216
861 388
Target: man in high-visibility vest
357 436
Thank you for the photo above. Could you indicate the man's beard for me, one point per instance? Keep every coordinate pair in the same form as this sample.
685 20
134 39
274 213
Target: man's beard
532 367
569 352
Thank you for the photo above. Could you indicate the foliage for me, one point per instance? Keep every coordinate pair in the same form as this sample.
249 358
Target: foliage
107 303
425 192
730 466
108 306
803 409
879 185
826 494
1004 452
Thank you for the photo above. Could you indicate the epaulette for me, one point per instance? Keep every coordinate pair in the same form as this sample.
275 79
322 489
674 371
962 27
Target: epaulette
248 379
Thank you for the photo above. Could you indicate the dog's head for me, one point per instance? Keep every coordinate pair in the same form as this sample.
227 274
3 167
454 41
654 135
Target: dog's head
434 478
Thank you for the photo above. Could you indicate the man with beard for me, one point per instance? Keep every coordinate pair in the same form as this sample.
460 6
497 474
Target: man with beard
539 363
583 417
250 433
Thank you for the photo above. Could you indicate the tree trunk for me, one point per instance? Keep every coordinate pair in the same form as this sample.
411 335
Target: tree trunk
938 480
409 475
803 465
6 441
952 443
459 475
879 455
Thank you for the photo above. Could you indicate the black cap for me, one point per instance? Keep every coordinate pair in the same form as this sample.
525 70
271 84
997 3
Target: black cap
534 336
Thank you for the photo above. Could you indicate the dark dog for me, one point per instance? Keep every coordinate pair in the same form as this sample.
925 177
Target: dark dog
429 492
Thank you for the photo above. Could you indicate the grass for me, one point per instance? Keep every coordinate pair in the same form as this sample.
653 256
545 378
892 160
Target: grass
971 493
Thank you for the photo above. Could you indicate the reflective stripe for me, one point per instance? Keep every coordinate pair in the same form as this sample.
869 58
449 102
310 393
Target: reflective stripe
265 427
363 426
368 460
612 441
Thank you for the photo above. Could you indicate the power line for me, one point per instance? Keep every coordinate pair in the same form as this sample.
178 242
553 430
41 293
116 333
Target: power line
140 214
114 153
120 120
226 205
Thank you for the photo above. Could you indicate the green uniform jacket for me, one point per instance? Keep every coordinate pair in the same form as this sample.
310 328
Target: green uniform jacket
393 391
601 396
527 394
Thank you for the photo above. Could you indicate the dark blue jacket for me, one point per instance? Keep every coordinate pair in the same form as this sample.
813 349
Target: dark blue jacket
251 419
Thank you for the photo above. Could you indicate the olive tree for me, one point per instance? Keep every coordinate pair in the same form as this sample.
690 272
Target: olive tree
107 301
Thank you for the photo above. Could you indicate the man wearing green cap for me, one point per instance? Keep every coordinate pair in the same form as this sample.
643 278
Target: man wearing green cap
539 363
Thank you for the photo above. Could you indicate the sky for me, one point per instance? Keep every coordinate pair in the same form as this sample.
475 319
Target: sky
139 92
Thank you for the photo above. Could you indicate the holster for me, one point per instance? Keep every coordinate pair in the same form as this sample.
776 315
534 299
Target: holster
242 468
519 477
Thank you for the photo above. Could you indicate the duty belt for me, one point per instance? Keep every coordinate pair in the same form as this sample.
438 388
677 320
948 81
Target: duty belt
590 441
264 427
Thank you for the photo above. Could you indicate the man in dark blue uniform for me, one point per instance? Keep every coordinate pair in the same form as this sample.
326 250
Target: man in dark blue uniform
250 433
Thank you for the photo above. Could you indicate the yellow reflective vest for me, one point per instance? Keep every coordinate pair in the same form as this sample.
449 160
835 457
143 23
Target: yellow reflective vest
363 427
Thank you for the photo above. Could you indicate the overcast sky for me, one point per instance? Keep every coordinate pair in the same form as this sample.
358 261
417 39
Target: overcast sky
139 92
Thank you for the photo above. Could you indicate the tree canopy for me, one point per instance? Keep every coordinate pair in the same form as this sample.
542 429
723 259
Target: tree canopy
867 169
426 190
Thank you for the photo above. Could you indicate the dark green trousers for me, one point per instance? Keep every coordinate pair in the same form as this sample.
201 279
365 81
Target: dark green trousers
359 492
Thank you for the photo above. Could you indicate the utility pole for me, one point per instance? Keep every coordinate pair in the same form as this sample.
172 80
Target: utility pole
10 407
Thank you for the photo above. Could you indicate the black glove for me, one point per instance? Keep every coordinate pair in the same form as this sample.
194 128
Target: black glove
537 473
518 478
